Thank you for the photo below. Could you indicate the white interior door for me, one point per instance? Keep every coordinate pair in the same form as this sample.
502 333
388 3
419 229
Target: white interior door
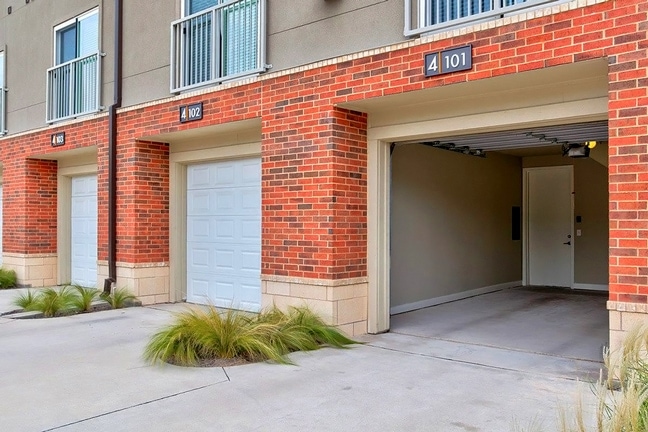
224 234
549 209
84 231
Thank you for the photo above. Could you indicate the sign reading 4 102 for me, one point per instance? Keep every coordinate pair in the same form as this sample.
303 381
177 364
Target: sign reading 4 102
451 60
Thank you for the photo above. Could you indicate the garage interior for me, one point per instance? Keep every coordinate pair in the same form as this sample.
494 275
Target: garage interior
465 241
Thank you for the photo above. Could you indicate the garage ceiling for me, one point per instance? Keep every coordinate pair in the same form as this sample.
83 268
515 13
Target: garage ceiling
527 138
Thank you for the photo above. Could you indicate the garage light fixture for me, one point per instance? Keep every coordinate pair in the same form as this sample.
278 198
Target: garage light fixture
576 150
568 149
454 148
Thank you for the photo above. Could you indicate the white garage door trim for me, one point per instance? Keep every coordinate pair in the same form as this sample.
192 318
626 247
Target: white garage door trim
224 233
83 231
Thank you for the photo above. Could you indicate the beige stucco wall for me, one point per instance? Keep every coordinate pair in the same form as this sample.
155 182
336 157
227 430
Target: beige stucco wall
323 29
29 39
591 203
451 222
316 30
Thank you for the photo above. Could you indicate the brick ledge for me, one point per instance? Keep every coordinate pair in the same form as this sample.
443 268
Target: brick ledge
311 281
627 307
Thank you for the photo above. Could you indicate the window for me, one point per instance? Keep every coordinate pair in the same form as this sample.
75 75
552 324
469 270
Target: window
3 92
428 15
217 40
73 84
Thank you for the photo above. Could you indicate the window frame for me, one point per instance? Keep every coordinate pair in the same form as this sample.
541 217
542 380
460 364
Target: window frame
74 22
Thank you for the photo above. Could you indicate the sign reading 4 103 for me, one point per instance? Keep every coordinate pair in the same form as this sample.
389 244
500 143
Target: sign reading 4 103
451 60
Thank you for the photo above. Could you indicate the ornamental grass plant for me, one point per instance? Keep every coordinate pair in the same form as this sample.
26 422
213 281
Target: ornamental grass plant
620 397
8 278
119 298
200 335
84 298
68 300
50 301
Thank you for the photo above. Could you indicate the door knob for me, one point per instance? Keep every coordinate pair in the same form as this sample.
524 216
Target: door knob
567 243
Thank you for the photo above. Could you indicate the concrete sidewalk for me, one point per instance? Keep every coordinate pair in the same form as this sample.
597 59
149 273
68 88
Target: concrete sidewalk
85 373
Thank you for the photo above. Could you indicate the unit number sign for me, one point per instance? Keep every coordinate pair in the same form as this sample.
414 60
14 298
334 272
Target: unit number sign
451 60
57 139
191 112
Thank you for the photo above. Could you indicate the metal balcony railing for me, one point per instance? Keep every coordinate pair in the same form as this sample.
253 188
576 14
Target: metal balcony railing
218 44
74 88
422 16
3 112
3 94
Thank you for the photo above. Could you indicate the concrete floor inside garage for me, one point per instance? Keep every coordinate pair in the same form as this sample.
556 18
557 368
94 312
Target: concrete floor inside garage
554 322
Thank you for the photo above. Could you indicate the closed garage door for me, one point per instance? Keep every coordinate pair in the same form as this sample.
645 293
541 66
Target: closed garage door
1 204
84 231
224 234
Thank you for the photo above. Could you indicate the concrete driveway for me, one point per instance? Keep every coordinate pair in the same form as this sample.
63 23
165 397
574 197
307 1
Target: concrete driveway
85 373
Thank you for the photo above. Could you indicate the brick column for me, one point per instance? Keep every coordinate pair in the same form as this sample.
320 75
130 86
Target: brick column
628 169
314 223
142 218
29 219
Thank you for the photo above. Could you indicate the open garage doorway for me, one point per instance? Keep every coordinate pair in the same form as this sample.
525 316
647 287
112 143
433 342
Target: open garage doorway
501 238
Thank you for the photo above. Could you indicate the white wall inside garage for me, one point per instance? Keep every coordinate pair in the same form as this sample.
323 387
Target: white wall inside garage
451 223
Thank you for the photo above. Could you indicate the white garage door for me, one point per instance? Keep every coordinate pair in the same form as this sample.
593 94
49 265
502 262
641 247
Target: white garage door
224 234
84 231
1 211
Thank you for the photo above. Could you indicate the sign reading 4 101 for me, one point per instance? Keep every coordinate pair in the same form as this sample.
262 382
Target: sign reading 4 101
451 60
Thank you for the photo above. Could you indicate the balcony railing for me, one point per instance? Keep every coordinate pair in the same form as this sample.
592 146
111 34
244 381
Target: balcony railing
218 44
74 88
422 16
3 113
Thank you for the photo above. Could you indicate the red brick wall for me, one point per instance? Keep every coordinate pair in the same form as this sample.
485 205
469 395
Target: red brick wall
30 185
304 135
30 201
142 202
314 191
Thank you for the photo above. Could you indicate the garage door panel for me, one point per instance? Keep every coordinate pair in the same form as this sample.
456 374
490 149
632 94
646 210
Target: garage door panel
250 199
83 227
198 259
199 230
250 173
225 202
251 230
225 174
224 217
199 287
224 289
250 293
250 260
198 202
199 177
225 229
224 260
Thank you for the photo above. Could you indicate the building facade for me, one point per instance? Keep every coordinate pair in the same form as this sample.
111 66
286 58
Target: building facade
251 152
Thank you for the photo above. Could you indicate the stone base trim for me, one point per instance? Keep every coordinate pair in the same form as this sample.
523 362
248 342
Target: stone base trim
623 318
150 282
32 270
342 303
